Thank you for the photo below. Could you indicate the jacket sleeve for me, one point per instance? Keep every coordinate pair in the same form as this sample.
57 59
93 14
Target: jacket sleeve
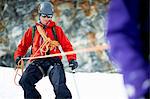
24 44
65 43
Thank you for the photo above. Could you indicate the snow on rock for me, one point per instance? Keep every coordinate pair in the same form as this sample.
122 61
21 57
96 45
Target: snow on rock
82 85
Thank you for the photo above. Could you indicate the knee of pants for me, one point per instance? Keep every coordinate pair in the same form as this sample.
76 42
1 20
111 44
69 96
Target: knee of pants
26 81
57 76
23 81
62 91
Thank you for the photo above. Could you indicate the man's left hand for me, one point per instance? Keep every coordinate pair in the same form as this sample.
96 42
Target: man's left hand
73 64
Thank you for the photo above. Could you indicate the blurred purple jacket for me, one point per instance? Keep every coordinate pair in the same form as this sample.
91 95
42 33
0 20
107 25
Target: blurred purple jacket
128 21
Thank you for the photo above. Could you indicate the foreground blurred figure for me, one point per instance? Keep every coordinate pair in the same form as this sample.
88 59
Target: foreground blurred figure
45 31
128 35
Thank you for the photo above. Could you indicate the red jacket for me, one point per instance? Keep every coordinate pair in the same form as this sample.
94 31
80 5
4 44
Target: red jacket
26 42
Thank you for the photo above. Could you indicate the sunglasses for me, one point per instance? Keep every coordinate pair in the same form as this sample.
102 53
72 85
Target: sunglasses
46 15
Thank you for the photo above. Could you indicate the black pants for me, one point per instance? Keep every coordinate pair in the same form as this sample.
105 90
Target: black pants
33 74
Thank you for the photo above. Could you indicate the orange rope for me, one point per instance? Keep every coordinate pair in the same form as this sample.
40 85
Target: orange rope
91 49
19 66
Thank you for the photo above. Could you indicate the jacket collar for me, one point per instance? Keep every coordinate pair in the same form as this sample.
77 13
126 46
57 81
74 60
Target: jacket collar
49 24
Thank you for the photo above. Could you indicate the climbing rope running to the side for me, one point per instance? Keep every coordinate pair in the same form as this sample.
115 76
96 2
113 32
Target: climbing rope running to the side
91 49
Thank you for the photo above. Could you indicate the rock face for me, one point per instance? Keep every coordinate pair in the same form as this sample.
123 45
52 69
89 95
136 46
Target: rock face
15 17
82 22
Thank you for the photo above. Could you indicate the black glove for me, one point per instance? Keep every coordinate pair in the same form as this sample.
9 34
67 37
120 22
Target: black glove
73 64
18 59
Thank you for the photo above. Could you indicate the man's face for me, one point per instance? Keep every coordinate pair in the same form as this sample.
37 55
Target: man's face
45 18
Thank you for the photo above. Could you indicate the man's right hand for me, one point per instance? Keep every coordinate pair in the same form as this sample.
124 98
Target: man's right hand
17 60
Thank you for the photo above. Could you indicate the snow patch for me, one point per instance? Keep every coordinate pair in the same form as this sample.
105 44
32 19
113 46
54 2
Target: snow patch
82 86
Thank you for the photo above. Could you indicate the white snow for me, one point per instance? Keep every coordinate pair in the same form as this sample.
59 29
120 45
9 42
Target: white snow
82 86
